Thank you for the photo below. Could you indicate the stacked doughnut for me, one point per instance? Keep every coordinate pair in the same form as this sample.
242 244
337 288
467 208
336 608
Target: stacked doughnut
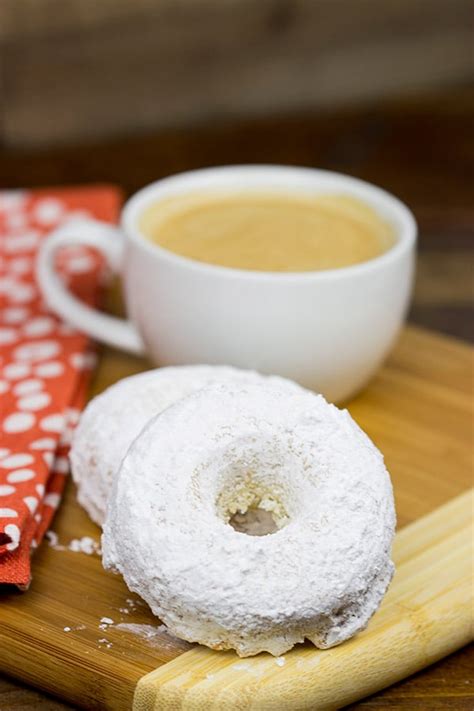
248 512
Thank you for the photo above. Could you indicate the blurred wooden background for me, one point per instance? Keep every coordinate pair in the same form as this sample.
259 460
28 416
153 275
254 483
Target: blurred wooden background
420 148
81 69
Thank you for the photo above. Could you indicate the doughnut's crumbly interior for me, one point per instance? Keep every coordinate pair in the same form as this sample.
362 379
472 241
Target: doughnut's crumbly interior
253 506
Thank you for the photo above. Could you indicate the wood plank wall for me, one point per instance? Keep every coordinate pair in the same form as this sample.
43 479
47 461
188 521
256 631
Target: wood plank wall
82 69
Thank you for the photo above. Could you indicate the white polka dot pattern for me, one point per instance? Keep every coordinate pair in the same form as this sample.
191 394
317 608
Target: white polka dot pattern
18 422
16 460
50 369
81 361
48 457
14 314
24 242
26 387
8 513
15 371
44 443
48 211
52 423
13 533
20 475
7 335
37 350
31 502
61 465
21 265
52 500
37 401
6 490
41 326
22 293
44 364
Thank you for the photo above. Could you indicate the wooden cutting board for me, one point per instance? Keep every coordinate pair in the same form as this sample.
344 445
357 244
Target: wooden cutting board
418 411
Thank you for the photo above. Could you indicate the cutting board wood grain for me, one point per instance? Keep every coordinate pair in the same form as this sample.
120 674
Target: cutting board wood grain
418 411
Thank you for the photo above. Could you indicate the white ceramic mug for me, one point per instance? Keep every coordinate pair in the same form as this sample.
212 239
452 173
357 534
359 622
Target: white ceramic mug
329 330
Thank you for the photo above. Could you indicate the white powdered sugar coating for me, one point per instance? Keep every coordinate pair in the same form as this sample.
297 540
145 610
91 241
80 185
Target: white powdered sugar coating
113 419
226 448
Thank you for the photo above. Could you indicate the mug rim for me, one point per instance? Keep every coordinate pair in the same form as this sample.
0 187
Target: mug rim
406 228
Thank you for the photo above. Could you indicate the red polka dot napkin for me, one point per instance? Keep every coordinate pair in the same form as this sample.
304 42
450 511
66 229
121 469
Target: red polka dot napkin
44 364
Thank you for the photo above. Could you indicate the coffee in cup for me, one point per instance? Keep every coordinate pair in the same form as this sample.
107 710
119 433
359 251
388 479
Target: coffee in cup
268 232
320 277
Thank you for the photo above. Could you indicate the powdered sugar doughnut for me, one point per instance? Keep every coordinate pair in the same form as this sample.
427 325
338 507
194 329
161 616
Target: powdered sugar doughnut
224 449
114 418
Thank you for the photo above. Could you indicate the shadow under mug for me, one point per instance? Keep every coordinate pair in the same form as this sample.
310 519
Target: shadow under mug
329 330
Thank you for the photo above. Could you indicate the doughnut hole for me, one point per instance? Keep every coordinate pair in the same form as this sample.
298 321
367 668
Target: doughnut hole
253 497
254 522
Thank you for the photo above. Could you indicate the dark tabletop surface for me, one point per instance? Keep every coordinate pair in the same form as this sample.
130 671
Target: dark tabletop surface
421 148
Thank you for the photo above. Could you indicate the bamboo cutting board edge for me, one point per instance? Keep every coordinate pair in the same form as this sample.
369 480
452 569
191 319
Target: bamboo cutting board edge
430 594
417 411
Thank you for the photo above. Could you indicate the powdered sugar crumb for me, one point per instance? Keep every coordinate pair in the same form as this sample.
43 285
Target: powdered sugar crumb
74 628
107 620
244 666
249 667
105 642
52 537
280 661
86 544
133 604
155 635
146 631
53 541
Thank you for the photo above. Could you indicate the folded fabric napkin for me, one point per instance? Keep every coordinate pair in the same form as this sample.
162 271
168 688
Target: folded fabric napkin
44 364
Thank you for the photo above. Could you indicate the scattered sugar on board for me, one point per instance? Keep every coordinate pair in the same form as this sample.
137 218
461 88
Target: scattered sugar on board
86 544
105 642
256 668
154 635
107 620
74 629
147 631
245 666
53 541
280 661
134 603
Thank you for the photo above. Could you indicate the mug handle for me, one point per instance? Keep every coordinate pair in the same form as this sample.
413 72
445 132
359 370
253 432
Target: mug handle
109 240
